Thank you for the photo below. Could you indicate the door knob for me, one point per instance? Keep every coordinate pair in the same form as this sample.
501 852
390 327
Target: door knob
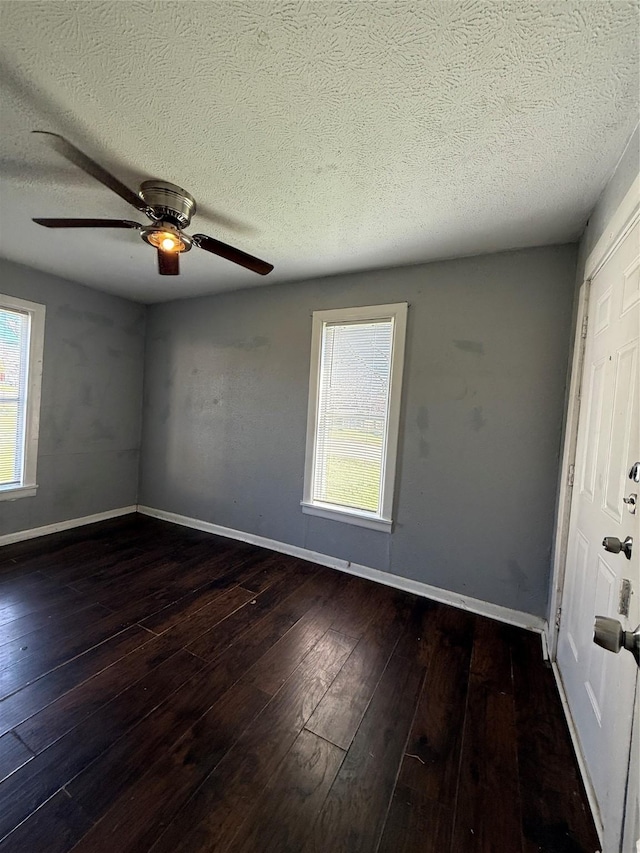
609 634
615 546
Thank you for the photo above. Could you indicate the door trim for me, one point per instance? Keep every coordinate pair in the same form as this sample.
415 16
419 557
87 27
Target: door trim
561 535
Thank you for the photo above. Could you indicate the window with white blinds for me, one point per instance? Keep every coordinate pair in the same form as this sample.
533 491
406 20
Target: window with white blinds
354 408
21 339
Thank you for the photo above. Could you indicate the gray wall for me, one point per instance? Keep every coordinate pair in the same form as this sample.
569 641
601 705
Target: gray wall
91 401
226 386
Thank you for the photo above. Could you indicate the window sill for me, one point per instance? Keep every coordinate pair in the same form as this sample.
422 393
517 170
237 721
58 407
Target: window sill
12 493
350 516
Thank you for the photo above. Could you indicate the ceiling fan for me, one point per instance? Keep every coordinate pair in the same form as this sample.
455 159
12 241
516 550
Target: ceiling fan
168 206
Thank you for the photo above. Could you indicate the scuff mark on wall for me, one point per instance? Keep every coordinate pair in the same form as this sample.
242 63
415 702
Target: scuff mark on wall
78 348
478 420
475 347
518 577
90 316
422 420
86 394
253 343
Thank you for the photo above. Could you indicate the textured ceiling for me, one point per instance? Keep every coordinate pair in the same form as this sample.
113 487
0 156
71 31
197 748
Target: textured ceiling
338 135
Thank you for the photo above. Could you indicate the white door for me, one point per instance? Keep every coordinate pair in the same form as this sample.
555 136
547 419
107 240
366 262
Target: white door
600 685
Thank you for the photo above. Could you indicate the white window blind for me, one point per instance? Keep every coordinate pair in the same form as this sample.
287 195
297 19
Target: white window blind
353 411
15 329
357 356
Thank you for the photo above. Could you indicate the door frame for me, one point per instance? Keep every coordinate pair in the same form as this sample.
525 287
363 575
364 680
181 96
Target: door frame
625 218
622 221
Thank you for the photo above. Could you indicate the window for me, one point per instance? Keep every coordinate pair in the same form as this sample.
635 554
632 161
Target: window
21 344
357 356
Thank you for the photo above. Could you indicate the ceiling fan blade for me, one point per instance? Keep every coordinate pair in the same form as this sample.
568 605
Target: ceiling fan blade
78 158
234 255
168 263
88 223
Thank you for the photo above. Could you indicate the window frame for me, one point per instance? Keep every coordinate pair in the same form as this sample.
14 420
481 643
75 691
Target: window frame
36 311
382 520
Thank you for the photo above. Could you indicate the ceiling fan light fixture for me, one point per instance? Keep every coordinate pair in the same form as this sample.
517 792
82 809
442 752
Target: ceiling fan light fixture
166 239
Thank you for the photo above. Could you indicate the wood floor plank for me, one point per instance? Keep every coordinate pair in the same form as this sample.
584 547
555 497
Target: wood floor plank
54 828
53 655
62 715
127 760
489 762
139 816
41 639
155 585
338 715
11 569
211 818
13 754
491 658
30 786
71 565
31 699
48 618
64 559
417 824
213 642
14 587
147 578
197 563
350 616
432 758
56 557
417 638
236 573
32 601
282 817
554 804
281 660
204 619
353 815
113 571
271 569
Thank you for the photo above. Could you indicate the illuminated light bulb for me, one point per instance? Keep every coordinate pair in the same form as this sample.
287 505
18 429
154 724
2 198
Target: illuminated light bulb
166 241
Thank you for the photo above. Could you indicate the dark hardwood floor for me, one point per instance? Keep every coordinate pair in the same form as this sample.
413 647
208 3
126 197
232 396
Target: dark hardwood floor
169 690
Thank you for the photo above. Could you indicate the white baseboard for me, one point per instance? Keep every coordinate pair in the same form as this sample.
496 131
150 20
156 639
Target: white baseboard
582 765
463 602
34 532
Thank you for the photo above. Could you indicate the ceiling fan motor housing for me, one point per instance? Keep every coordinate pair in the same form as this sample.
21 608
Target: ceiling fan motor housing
168 202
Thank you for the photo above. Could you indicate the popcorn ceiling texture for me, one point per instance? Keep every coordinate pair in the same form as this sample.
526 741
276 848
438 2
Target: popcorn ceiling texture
340 135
